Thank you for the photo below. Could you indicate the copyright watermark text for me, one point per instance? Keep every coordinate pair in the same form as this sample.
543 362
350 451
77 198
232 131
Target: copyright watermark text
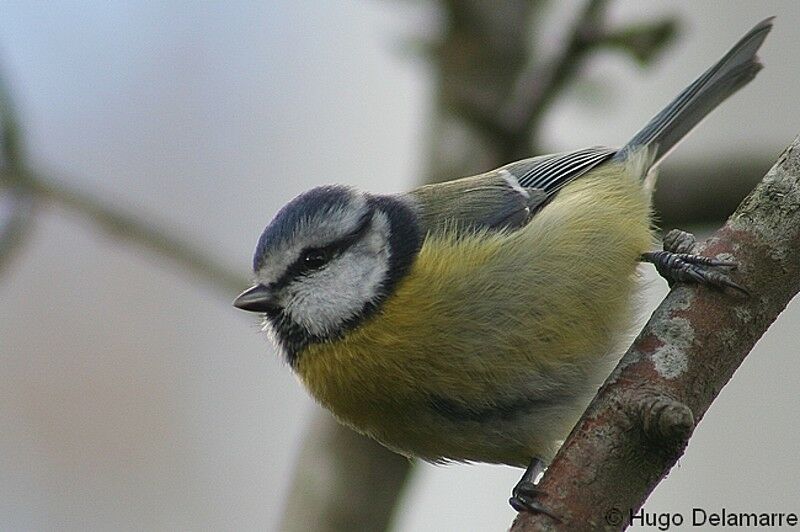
701 517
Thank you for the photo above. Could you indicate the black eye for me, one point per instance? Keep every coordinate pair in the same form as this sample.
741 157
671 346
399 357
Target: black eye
315 258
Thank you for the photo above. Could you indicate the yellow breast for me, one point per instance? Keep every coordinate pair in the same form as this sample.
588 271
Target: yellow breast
487 316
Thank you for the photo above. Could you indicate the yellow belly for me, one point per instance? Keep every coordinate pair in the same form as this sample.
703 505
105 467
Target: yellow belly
490 320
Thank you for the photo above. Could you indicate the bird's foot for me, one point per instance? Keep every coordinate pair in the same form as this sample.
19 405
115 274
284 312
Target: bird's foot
677 264
523 496
523 499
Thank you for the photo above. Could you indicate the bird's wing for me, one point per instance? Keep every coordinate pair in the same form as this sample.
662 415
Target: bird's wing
488 201
551 172
505 198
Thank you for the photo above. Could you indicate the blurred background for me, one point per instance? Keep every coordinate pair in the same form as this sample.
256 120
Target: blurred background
133 396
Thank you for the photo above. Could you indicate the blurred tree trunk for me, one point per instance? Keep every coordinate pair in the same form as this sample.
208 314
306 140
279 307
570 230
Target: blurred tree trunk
343 481
477 64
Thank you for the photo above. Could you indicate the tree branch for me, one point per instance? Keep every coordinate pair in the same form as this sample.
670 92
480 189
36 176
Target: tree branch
25 188
493 87
138 231
17 223
540 84
641 419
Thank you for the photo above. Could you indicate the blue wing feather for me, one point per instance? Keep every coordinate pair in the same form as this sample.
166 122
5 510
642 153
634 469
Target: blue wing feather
551 172
491 201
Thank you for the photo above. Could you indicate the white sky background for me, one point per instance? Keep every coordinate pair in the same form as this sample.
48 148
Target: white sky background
131 397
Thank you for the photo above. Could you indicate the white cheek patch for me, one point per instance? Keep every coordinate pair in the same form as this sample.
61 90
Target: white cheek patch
323 301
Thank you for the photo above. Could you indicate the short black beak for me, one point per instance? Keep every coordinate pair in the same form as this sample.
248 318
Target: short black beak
255 299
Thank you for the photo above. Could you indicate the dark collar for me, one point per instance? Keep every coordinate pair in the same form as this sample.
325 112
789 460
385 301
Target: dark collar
405 240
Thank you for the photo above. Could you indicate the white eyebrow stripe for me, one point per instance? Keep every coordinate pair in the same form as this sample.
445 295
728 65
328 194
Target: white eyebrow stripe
316 230
513 182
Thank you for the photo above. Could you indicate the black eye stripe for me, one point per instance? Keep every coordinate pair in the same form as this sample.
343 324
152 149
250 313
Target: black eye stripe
332 250
404 239
337 247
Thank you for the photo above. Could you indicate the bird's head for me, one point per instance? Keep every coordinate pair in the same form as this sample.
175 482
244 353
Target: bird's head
327 261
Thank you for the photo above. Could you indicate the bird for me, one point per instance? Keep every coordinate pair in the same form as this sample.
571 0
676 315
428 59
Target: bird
473 320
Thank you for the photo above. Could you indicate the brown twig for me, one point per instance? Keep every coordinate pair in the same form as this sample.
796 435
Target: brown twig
641 419
540 83
136 230
25 189
19 220
17 223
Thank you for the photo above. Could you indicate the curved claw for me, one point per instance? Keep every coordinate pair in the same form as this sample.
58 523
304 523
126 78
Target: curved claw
685 267
523 500
523 496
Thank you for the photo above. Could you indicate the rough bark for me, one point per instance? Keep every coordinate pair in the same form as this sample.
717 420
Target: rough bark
641 419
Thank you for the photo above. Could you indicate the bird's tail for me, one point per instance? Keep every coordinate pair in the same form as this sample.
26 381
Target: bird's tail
735 70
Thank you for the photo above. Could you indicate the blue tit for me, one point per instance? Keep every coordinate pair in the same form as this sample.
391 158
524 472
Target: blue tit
473 320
